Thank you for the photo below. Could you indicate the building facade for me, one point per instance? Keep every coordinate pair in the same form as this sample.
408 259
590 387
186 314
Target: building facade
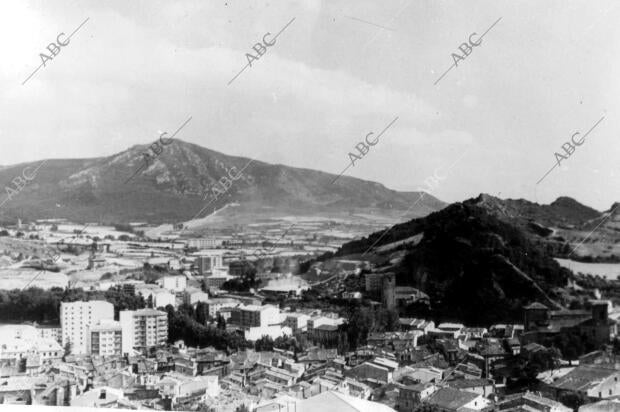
106 338
76 318
143 329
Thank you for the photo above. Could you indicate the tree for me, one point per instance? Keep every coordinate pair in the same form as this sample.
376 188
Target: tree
149 301
264 344
343 344
242 408
68 349
202 313
221 322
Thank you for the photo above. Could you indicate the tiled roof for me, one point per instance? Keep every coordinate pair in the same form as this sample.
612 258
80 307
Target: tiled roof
452 399
584 377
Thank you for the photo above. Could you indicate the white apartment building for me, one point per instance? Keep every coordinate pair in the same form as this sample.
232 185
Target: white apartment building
76 319
163 299
105 338
204 243
247 316
193 297
50 332
209 262
215 305
174 283
143 328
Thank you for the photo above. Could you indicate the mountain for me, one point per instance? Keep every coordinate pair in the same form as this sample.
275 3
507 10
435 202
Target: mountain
566 228
563 212
184 179
469 262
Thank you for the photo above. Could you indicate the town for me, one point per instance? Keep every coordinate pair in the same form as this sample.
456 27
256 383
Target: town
106 316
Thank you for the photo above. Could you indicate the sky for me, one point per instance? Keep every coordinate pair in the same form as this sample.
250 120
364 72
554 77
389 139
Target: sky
340 70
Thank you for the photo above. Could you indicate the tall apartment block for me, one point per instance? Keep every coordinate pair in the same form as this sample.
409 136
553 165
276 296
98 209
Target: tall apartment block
76 318
143 329
105 338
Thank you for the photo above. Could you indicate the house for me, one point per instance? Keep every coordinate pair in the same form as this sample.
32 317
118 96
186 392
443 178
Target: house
594 381
612 405
454 400
176 387
416 324
481 386
492 350
531 402
371 370
395 339
422 375
594 326
336 402
410 396
451 327
506 330
104 397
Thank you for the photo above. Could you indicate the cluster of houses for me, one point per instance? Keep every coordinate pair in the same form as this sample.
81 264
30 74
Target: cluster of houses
447 367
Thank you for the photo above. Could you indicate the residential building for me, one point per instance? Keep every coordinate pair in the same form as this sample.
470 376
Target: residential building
247 316
410 396
76 319
23 350
143 329
273 331
612 405
162 298
194 296
176 387
379 370
416 324
50 332
204 243
105 338
324 326
297 321
593 381
174 283
207 262
217 304
336 402
543 325
373 282
530 401
454 400
216 280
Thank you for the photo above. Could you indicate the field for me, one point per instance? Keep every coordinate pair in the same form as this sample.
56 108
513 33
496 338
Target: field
609 271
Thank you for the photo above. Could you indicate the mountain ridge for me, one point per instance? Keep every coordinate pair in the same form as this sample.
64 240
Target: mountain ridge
184 177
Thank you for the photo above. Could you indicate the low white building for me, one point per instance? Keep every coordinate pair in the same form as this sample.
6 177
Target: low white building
176 386
194 297
19 342
163 298
275 331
